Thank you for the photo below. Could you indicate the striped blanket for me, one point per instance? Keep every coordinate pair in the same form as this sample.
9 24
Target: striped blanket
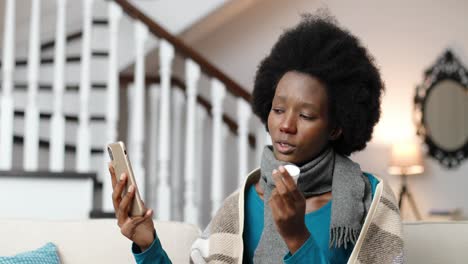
380 240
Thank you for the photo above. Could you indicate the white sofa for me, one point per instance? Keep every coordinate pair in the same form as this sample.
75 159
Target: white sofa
436 242
91 241
100 241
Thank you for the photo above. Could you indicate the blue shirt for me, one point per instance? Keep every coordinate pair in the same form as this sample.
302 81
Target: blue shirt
314 250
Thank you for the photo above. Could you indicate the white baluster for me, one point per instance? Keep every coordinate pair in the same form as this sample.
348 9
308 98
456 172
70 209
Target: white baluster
57 134
112 113
131 105
83 149
177 178
165 57
200 153
31 130
225 133
7 104
243 115
137 125
131 132
218 92
260 140
192 73
154 93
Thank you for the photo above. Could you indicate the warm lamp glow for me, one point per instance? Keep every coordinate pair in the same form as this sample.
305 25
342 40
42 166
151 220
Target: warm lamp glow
406 159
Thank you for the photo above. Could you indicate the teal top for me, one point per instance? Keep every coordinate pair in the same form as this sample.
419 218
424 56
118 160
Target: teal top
314 250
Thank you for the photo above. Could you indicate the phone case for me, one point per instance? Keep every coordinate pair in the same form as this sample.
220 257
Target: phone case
121 164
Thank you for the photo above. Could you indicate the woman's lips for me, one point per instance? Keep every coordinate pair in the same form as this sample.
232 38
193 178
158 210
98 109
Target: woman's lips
284 148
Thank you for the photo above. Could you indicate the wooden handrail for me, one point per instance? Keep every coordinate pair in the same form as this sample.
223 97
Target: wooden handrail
208 68
125 80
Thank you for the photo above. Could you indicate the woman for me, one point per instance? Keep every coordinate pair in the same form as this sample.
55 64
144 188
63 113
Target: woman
318 92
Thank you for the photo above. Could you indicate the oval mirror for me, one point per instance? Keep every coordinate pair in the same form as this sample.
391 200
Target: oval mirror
441 110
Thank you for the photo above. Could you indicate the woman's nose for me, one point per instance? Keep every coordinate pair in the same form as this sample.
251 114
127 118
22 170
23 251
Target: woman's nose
288 124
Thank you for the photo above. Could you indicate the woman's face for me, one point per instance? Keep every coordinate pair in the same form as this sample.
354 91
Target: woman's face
298 121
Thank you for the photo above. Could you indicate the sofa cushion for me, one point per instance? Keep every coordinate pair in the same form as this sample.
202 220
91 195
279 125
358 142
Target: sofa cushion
43 255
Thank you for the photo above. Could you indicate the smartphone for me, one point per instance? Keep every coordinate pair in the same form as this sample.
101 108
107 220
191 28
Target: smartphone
121 163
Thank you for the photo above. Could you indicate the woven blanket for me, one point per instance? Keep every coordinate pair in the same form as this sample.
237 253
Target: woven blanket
380 240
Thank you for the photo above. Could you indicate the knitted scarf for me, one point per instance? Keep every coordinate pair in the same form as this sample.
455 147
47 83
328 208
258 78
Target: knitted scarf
327 172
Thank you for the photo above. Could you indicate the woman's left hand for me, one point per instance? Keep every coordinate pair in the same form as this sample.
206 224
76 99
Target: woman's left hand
288 209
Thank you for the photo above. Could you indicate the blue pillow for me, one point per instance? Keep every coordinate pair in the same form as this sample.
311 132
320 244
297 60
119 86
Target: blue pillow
44 255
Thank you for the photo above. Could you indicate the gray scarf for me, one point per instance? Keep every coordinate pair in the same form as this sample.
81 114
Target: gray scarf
327 172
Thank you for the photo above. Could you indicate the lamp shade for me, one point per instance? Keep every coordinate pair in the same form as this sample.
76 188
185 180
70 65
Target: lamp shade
406 158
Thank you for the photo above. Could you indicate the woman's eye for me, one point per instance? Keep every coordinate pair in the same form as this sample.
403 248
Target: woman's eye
277 110
306 117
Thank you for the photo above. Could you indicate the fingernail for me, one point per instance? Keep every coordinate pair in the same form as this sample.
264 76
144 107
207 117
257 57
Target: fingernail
275 171
122 177
131 188
281 168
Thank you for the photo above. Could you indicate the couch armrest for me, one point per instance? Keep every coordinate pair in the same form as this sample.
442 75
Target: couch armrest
436 242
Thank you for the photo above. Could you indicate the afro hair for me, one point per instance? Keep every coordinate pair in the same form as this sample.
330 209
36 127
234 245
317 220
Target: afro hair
317 46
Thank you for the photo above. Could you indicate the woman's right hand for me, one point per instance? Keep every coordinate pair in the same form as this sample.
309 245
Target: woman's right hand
139 229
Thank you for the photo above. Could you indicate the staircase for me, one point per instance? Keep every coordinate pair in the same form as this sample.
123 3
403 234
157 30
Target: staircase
185 123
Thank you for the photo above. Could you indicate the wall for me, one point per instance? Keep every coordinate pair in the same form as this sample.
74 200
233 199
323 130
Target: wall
405 38
41 198
177 15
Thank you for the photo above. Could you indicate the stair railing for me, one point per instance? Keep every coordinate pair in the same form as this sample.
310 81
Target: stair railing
197 109
221 86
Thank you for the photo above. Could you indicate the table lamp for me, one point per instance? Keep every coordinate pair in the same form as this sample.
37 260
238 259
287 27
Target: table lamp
406 159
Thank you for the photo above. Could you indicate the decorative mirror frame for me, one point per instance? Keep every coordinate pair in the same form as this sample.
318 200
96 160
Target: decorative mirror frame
447 67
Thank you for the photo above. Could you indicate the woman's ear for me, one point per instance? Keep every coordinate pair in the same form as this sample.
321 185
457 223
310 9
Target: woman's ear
335 133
